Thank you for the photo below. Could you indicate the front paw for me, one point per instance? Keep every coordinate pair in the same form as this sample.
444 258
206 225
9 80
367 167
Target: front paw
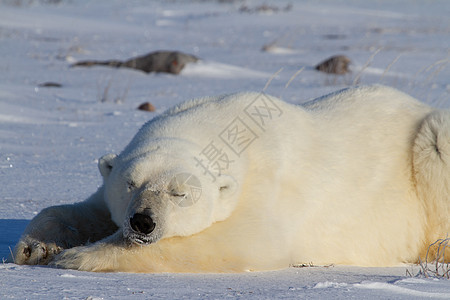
30 251
92 258
104 256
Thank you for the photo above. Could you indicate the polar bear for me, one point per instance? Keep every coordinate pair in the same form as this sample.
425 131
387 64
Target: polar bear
248 182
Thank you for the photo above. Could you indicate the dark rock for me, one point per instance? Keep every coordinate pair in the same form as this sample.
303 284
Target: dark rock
50 85
333 36
264 8
161 61
335 65
147 106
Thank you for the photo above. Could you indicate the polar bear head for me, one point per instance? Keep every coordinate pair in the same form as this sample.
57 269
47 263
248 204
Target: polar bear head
160 191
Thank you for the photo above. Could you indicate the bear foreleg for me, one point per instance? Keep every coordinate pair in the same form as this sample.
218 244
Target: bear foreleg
62 227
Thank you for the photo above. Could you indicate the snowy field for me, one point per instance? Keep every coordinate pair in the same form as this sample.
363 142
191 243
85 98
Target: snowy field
50 138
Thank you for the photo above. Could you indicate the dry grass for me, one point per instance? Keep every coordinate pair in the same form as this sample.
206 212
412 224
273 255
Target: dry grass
389 67
271 78
432 70
357 79
12 256
435 267
121 91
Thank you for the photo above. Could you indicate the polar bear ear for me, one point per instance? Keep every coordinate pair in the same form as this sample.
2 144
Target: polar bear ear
105 164
227 185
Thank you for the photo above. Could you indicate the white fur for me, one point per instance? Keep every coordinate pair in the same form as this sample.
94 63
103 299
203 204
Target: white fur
358 177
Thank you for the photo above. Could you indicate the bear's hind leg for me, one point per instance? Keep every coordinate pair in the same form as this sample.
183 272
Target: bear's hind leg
431 163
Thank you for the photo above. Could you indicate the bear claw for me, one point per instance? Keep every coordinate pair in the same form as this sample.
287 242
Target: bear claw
36 253
27 251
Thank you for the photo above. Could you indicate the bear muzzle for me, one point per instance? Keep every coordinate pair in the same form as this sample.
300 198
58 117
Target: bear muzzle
142 223
140 228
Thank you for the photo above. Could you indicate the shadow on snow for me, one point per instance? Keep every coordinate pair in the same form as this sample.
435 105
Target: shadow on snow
10 231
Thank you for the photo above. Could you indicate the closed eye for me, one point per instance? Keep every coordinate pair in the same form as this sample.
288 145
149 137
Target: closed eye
176 194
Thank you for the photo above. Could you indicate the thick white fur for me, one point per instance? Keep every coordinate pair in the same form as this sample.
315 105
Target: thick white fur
358 177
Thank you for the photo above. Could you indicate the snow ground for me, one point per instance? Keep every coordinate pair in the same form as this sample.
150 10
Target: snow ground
48 132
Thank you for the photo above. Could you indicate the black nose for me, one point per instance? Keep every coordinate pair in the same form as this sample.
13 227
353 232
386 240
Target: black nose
142 223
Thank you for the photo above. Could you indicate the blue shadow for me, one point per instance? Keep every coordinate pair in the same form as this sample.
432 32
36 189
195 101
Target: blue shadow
10 231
